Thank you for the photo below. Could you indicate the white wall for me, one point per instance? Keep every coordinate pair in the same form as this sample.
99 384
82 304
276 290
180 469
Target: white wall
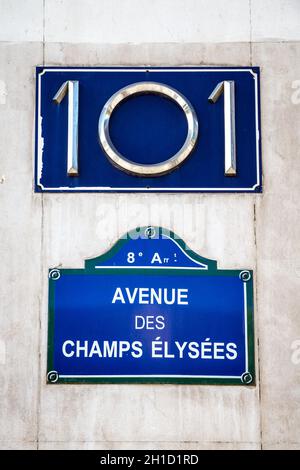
261 232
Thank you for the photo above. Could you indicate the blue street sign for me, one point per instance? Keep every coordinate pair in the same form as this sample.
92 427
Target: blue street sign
151 310
156 129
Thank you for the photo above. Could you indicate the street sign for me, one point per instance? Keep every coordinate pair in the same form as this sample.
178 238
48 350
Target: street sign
148 129
150 310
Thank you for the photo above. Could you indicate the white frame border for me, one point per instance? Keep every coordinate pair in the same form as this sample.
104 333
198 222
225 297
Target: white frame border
63 376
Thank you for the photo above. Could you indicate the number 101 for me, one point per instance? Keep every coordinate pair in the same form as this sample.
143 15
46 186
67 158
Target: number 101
226 88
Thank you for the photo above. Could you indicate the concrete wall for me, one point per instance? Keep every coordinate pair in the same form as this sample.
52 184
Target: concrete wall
261 232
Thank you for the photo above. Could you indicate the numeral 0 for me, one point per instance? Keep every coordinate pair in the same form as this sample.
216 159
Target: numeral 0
227 88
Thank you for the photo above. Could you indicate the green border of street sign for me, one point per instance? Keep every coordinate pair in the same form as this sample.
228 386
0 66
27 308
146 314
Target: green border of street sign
248 378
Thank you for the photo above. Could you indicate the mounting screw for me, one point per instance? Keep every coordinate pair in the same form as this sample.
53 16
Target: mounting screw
54 274
150 232
247 378
245 276
52 376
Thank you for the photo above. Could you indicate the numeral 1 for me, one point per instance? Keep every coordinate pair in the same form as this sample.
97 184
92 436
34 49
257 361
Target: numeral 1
72 88
227 88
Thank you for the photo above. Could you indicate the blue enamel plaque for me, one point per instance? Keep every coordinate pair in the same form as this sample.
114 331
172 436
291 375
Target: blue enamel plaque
148 129
151 310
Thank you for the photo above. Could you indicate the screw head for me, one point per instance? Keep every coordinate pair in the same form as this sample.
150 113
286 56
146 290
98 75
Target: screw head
247 378
150 232
52 376
54 274
245 276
